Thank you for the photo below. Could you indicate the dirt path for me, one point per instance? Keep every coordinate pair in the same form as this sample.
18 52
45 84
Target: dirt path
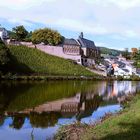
97 72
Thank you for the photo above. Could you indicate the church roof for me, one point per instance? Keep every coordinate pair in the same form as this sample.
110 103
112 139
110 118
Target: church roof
86 43
70 42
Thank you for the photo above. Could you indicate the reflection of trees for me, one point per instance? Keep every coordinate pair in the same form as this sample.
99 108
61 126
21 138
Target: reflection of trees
9 91
21 95
44 120
91 103
41 92
18 121
2 118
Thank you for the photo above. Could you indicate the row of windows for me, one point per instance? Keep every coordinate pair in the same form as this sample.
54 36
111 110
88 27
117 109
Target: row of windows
71 50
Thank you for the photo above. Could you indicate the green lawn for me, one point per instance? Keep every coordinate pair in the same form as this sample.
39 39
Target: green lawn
125 126
30 60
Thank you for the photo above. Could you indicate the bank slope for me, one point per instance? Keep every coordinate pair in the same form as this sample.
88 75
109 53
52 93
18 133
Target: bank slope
30 60
125 126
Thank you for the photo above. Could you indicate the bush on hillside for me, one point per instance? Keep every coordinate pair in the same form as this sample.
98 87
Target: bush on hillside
47 36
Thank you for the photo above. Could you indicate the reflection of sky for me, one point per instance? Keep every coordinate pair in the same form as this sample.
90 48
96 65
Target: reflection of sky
24 133
7 133
100 112
65 121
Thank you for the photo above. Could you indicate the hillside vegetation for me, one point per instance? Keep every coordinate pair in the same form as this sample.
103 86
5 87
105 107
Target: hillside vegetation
30 60
114 52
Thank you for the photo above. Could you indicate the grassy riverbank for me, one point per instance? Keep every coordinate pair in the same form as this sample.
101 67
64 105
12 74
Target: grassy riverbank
123 126
50 77
30 60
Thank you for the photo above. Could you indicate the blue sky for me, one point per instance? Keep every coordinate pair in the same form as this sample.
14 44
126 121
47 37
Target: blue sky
110 23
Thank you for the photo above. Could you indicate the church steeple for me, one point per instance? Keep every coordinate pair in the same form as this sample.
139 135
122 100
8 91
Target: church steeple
81 35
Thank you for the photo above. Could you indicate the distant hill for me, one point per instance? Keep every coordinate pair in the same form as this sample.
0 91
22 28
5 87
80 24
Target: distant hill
109 51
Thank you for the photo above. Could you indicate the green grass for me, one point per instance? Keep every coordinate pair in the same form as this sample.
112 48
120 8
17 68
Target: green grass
125 126
30 60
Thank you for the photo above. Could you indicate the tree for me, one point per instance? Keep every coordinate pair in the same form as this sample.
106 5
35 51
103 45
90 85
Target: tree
47 36
4 58
29 37
134 51
12 35
20 32
126 53
136 57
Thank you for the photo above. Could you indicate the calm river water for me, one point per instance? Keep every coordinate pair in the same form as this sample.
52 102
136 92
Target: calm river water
35 110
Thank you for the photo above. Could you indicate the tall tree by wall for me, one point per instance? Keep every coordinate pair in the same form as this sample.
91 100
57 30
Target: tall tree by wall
20 32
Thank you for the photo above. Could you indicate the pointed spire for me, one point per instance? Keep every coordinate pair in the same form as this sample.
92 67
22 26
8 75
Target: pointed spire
81 35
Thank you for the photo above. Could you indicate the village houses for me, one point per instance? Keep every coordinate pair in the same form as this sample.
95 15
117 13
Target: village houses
3 34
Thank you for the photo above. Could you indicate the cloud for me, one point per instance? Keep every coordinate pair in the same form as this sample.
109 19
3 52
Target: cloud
131 33
118 20
123 4
100 44
22 4
20 22
80 26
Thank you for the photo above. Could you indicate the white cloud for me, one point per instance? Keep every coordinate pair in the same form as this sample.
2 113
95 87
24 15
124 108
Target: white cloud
81 26
21 4
96 17
123 4
118 37
100 44
131 33
20 22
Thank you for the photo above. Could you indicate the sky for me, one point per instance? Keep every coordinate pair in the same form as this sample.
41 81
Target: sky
109 23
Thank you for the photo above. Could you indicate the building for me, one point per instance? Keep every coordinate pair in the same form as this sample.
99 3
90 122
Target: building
3 34
85 48
88 47
71 47
90 52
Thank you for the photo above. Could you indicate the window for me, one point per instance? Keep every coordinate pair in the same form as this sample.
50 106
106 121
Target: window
79 60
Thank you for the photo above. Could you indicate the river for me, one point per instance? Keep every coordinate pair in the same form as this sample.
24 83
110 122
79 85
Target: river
35 110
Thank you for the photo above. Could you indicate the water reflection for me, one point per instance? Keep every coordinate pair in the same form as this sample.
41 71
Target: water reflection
38 108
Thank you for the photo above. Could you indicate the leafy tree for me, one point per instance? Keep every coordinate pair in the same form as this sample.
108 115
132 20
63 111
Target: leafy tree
12 35
20 32
134 51
29 37
47 36
136 57
126 53
4 58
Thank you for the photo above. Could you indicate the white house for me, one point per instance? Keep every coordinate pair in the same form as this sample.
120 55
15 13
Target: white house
3 33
